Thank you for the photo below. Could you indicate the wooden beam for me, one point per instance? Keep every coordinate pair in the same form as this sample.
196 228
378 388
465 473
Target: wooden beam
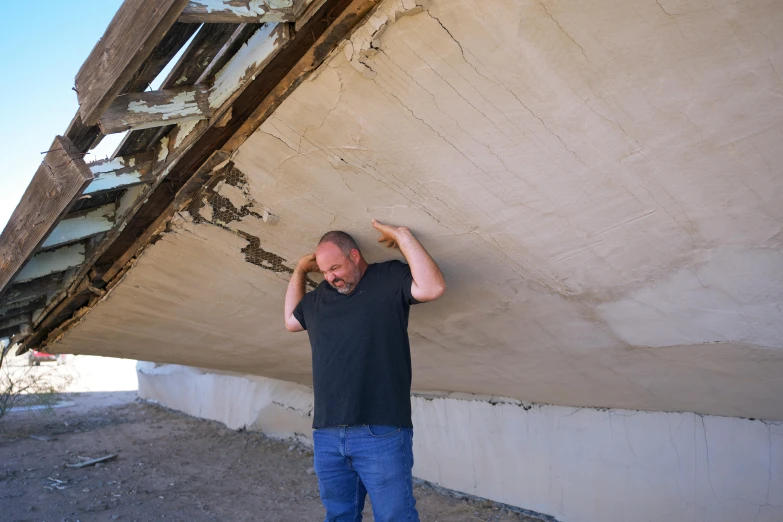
81 226
146 110
24 292
240 11
120 173
62 176
51 262
199 54
130 39
18 320
243 68
164 52
21 308
238 38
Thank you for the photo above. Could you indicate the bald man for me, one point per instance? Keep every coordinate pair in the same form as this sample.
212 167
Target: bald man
357 321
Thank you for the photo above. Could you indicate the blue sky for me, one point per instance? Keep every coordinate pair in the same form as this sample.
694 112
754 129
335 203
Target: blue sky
44 44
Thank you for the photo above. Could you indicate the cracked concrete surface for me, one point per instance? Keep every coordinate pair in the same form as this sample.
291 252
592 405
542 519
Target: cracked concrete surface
599 181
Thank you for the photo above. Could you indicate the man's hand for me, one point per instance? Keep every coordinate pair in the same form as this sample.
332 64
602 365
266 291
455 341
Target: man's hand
389 234
428 283
307 264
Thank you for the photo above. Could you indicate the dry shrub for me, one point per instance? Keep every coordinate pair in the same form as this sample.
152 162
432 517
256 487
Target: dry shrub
35 387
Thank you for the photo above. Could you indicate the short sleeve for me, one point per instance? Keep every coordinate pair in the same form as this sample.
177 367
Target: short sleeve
299 314
401 273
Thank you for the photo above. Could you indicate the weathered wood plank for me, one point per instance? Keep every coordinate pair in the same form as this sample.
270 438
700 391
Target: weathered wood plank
51 262
199 54
18 320
240 11
84 225
23 292
207 43
163 107
86 137
62 176
238 38
248 62
121 172
308 10
21 308
146 110
130 39
164 52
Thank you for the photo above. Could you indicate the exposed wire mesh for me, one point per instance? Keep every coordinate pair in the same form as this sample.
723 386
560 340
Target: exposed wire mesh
224 212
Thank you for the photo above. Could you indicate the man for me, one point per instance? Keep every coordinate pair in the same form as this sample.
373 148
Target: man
357 320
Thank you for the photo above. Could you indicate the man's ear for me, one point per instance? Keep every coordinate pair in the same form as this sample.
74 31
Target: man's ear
355 256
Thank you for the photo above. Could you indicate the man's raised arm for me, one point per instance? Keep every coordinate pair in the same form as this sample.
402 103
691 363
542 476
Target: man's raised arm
296 291
428 283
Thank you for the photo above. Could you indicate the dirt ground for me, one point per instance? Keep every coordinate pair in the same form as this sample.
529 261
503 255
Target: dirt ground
168 466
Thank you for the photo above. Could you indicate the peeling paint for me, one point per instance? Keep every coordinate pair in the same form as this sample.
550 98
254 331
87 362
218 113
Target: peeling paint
163 151
94 222
258 48
52 261
235 195
247 9
280 4
180 106
110 166
110 181
184 130
205 211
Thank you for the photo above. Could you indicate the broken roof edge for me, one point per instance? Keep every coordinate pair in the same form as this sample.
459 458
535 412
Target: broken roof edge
187 169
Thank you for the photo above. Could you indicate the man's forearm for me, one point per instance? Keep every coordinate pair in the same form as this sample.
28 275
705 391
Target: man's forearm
427 278
294 293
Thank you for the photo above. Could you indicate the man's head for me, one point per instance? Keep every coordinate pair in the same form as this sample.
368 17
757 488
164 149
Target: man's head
340 260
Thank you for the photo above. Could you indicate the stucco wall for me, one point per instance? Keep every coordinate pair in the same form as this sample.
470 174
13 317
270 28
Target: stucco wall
575 464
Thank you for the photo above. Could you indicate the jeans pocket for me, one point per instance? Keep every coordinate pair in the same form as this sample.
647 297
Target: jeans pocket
378 431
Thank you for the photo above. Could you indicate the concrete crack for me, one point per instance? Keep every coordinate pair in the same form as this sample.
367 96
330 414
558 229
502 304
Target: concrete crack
707 448
562 30
769 469
670 15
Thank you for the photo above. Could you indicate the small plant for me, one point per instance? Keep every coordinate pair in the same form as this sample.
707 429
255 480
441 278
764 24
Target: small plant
23 385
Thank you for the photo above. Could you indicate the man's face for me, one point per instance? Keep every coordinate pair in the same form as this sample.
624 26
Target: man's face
340 271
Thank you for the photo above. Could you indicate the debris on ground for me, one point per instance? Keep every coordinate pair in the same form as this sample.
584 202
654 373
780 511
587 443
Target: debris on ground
172 466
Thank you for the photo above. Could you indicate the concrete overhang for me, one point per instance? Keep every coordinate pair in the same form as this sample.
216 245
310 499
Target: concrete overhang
601 184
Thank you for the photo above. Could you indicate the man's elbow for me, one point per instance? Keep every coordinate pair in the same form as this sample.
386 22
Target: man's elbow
292 325
431 293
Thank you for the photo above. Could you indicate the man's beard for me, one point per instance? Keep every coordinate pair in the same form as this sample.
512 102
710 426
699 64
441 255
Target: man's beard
348 286
345 289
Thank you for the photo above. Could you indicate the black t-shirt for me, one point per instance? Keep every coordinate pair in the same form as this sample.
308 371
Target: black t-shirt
361 351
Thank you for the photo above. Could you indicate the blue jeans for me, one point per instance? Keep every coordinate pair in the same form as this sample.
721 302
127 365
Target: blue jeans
355 460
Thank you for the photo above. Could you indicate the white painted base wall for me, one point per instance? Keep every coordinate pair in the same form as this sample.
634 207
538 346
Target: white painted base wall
574 464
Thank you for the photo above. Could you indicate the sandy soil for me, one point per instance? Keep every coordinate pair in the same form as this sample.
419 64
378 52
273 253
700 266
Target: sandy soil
168 465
